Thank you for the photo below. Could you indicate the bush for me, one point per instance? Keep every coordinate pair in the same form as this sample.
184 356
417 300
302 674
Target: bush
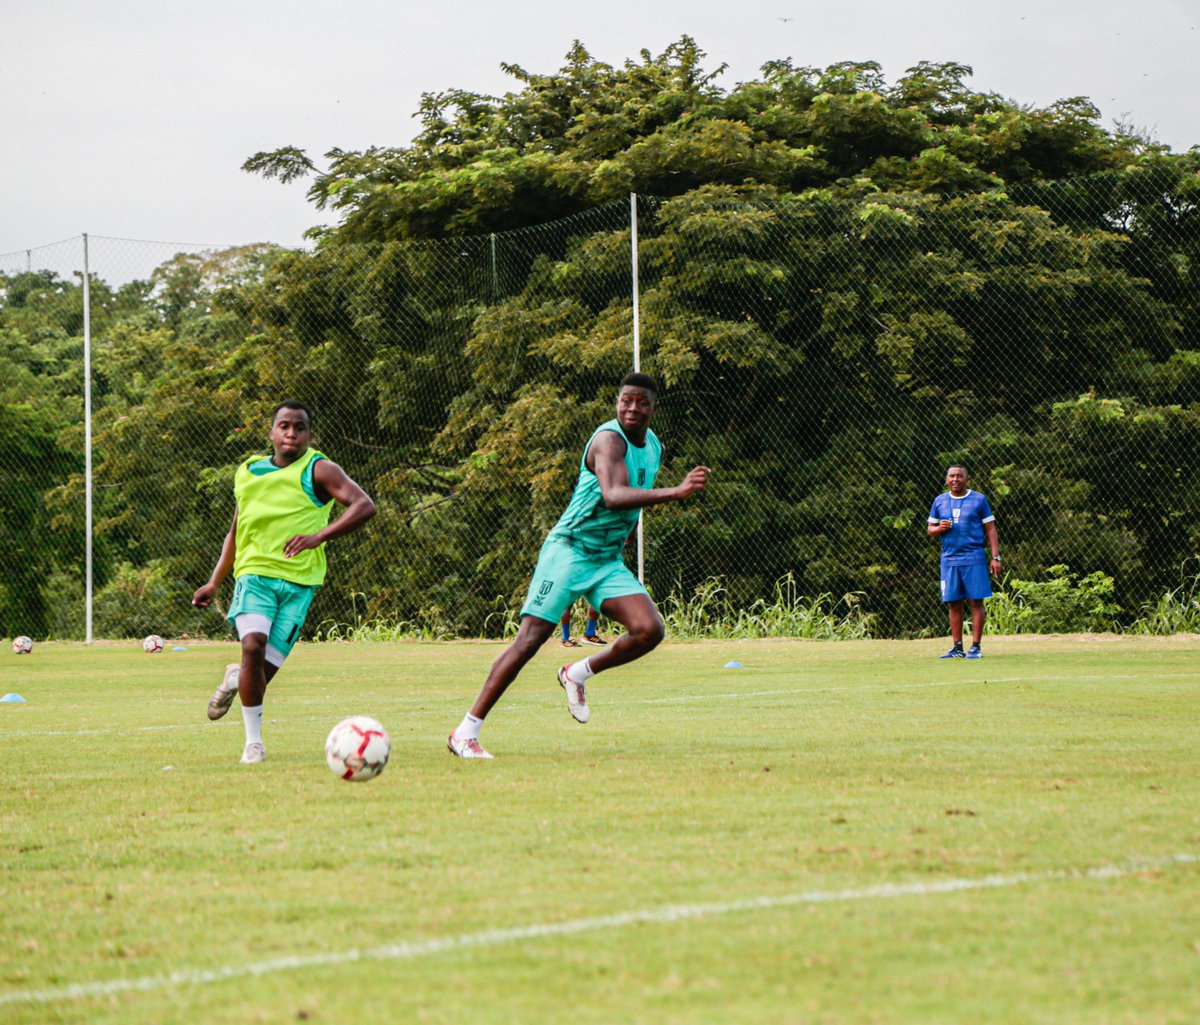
1066 603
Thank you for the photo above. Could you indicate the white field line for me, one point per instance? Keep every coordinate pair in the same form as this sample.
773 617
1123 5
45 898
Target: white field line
496 937
528 703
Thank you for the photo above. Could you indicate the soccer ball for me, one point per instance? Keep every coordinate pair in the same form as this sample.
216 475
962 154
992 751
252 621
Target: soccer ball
152 644
22 645
357 749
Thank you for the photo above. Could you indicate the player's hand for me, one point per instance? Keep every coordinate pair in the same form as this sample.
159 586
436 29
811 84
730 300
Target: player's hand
203 597
694 482
945 525
300 543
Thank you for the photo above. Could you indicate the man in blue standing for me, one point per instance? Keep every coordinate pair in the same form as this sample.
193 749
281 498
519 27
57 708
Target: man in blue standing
963 520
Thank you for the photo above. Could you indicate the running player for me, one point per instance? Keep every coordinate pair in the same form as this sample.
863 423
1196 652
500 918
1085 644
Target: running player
582 556
276 552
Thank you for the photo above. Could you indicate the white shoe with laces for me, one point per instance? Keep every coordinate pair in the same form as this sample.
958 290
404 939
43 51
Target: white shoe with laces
469 748
576 696
254 754
223 696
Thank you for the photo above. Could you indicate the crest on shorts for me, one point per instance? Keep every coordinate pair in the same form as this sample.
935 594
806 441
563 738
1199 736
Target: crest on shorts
543 591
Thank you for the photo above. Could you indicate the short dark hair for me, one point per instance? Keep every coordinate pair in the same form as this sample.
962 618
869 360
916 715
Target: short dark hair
639 380
292 405
959 466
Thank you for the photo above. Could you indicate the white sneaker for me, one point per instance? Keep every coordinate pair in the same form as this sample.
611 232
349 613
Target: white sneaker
254 754
468 748
576 696
223 696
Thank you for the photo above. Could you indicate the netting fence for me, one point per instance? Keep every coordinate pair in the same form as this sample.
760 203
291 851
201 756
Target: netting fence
826 355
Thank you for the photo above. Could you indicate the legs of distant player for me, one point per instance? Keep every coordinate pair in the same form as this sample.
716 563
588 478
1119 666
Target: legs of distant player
978 617
955 609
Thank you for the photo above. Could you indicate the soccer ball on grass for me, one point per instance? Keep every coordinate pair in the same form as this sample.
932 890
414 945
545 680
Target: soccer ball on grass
22 645
152 644
357 749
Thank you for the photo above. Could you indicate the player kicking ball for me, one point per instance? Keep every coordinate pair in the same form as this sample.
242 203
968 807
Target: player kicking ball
582 557
276 552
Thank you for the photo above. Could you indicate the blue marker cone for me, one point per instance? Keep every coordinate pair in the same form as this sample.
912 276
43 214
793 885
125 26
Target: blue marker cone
12 699
734 665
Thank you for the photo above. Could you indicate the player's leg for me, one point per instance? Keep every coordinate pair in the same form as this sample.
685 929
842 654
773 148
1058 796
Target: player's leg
978 618
955 608
644 631
591 633
953 594
533 633
269 626
551 595
251 611
565 624
977 585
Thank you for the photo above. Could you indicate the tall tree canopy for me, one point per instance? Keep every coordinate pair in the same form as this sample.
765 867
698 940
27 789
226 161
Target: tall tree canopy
662 125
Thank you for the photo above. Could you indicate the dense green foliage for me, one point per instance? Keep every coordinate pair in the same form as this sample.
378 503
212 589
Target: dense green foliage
844 284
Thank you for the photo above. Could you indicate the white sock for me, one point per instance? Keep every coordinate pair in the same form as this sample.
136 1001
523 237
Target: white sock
469 728
580 672
252 717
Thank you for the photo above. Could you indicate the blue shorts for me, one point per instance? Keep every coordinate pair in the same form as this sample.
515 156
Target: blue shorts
970 582
565 573
275 607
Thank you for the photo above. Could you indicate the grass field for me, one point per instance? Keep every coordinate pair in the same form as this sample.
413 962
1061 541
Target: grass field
850 832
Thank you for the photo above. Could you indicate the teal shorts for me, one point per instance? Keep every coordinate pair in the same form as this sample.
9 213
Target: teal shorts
565 574
275 607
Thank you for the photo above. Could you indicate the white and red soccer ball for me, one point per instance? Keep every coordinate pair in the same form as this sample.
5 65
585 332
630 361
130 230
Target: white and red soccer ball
22 645
357 749
152 645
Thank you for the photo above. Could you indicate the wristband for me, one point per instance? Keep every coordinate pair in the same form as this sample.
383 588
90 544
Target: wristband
995 558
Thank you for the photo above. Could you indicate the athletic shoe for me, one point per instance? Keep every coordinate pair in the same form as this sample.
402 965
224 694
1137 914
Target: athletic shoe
223 696
974 652
955 652
570 642
576 696
593 639
254 754
468 748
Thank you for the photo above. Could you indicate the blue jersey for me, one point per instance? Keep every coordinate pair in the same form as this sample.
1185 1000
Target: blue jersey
963 544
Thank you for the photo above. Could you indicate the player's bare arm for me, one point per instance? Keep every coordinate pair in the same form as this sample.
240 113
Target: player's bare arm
606 459
993 542
206 592
333 482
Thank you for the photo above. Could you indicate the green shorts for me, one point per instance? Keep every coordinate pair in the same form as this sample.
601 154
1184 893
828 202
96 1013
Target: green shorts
564 574
275 607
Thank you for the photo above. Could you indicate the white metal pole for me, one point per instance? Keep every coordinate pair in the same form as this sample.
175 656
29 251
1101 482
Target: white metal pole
87 427
637 353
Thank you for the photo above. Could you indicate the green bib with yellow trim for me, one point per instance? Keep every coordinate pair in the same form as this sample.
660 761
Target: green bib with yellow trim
274 504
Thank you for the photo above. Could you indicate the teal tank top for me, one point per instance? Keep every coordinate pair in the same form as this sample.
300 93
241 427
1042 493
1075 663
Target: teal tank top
587 524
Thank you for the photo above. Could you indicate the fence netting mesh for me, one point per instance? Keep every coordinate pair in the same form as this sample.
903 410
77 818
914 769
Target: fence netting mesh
827 355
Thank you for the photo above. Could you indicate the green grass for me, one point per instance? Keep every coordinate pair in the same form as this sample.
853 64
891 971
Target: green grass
828 770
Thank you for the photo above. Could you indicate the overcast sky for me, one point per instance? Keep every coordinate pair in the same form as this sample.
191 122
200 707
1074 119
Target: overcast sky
131 119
